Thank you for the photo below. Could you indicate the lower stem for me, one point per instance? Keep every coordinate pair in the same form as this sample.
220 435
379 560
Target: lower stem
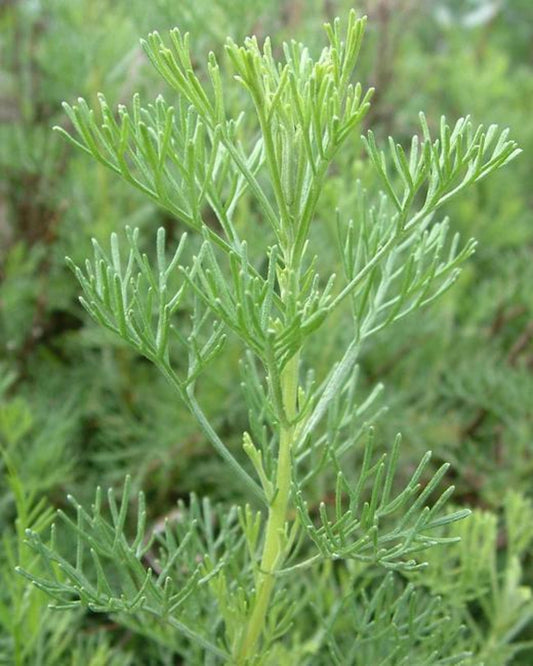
275 534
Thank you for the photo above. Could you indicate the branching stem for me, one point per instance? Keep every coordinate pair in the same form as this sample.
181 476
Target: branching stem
275 534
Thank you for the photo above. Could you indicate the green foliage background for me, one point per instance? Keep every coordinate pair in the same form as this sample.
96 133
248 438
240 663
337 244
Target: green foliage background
79 409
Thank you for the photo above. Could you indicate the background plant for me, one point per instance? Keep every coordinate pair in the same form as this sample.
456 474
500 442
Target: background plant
115 425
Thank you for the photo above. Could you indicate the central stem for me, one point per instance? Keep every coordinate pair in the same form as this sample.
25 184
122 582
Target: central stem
275 534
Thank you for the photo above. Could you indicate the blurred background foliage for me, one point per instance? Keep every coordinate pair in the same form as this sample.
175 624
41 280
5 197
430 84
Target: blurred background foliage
78 409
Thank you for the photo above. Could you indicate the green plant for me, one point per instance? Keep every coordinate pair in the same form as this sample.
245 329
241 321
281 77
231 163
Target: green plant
228 584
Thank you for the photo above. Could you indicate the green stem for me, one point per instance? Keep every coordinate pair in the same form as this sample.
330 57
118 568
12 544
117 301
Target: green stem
188 397
275 534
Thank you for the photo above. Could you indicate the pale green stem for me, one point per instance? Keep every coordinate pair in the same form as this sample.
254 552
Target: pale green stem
275 534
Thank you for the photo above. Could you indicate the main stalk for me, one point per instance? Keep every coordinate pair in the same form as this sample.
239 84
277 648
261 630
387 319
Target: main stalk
275 534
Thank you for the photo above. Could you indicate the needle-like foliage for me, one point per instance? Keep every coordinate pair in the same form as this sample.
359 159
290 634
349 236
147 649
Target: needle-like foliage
229 583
